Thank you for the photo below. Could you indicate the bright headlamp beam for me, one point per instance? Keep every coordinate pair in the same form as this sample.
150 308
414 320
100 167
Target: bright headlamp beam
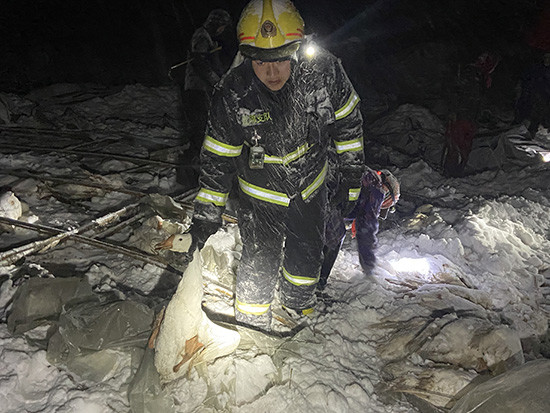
310 51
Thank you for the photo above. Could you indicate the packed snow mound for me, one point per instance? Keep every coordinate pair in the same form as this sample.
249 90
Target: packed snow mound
413 130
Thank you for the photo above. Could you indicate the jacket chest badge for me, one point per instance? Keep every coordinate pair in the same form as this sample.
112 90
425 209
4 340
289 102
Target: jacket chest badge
255 119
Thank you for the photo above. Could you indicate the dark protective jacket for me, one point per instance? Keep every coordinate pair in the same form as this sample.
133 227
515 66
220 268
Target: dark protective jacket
310 129
205 68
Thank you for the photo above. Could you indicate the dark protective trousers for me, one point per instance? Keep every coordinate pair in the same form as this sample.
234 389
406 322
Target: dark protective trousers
279 243
194 104
194 111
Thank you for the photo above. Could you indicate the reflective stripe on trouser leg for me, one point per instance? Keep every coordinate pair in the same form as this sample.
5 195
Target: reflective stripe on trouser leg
261 227
303 251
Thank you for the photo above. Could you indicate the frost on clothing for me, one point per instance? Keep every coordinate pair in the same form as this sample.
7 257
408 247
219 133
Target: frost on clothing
316 113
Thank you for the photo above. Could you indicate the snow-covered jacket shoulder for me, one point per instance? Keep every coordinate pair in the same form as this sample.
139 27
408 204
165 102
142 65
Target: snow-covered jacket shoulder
314 115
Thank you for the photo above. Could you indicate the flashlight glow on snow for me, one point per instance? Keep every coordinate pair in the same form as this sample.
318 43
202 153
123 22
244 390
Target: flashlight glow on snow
310 51
411 265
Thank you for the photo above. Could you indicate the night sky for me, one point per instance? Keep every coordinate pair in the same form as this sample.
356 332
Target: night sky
113 42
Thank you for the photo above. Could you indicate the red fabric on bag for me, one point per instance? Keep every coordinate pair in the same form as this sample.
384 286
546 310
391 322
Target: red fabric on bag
459 137
461 134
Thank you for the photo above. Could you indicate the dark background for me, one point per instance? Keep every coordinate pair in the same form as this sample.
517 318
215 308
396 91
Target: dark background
404 49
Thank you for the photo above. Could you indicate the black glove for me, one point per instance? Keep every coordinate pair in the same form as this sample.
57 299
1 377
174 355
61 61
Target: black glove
200 232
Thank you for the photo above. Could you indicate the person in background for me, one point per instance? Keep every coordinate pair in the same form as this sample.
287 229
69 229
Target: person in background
533 104
204 68
280 122
468 101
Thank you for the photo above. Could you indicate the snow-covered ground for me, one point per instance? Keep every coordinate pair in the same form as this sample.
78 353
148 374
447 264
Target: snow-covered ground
461 290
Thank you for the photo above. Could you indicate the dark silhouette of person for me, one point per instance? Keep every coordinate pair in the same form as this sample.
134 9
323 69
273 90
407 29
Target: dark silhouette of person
204 67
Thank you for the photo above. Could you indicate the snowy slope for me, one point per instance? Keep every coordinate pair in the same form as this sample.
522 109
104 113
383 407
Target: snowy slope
461 288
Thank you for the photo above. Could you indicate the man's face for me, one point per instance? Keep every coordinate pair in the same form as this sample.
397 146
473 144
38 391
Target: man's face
272 74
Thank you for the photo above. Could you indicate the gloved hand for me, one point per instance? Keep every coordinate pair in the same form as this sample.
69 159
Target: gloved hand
391 187
340 195
200 232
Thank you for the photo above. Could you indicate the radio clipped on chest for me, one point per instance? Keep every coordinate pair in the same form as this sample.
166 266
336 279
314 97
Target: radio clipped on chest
256 156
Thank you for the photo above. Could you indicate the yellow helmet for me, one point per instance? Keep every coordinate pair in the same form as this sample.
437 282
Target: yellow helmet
270 30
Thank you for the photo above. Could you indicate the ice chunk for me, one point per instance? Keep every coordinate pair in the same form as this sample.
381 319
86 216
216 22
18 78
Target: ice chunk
437 386
253 377
474 343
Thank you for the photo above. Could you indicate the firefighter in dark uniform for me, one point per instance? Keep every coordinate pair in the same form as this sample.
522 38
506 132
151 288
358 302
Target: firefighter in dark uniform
274 122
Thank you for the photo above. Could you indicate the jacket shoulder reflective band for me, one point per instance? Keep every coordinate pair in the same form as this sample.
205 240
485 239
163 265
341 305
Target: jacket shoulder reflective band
254 309
348 106
349 146
220 148
209 196
299 280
